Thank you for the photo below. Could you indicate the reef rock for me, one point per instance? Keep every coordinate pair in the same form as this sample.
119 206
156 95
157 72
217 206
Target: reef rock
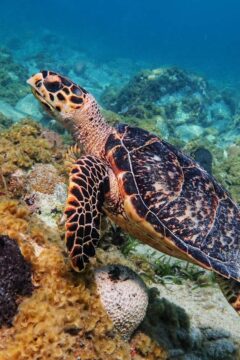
12 78
8 111
154 88
186 103
188 132
124 296
29 106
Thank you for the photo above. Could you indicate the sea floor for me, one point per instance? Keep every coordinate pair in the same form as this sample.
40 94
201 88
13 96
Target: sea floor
199 115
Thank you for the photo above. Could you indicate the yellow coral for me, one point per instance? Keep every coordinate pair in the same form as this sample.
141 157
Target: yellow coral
145 348
64 318
21 146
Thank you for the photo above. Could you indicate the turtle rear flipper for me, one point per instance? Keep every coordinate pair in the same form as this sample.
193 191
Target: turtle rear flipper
87 187
231 290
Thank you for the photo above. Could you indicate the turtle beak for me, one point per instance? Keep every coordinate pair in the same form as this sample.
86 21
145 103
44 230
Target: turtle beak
36 84
35 81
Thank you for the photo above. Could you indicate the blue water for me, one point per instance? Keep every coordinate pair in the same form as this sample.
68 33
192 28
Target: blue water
199 35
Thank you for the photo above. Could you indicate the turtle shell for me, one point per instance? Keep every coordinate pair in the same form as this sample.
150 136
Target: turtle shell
166 193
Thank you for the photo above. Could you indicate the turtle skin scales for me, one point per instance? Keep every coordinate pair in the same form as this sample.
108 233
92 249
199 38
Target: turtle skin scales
170 195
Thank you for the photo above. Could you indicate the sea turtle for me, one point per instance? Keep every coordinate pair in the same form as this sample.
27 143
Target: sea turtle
145 185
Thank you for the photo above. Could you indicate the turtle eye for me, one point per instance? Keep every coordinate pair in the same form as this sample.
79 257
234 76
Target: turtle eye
53 86
38 83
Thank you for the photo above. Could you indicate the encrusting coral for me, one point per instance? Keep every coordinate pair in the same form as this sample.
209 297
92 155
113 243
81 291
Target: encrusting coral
64 317
43 178
31 159
21 146
124 296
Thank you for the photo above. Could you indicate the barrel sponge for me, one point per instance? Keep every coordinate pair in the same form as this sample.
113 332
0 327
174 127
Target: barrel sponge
124 297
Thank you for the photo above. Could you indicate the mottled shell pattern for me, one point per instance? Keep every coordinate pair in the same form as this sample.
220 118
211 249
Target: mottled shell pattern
165 192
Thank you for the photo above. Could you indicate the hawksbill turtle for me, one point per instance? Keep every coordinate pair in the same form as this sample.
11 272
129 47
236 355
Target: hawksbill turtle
143 184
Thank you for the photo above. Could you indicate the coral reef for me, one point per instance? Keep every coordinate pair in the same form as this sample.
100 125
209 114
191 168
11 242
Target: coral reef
24 145
124 296
49 207
21 146
43 178
12 78
28 106
140 96
227 168
175 104
64 318
15 279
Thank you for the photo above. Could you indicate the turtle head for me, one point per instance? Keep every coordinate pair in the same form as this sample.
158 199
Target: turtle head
73 107
60 97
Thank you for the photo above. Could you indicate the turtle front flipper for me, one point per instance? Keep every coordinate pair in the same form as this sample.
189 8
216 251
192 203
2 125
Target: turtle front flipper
87 188
231 290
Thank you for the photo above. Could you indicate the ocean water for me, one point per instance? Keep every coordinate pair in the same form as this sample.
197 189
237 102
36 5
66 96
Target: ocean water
199 35
171 67
103 44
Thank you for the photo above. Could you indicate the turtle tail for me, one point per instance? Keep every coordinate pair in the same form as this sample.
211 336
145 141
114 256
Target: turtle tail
231 290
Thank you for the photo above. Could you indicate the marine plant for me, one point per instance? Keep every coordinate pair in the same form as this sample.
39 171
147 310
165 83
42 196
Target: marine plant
64 318
24 145
12 78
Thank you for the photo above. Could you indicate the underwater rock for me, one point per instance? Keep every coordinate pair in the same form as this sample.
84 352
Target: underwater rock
188 132
15 279
46 193
12 78
204 158
186 102
64 318
162 126
219 115
222 350
43 178
29 107
49 207
167 323
156 90
124 296
5 121
8 111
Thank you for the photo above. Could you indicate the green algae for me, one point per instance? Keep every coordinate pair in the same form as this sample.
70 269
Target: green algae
227 169
138 98
12 78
